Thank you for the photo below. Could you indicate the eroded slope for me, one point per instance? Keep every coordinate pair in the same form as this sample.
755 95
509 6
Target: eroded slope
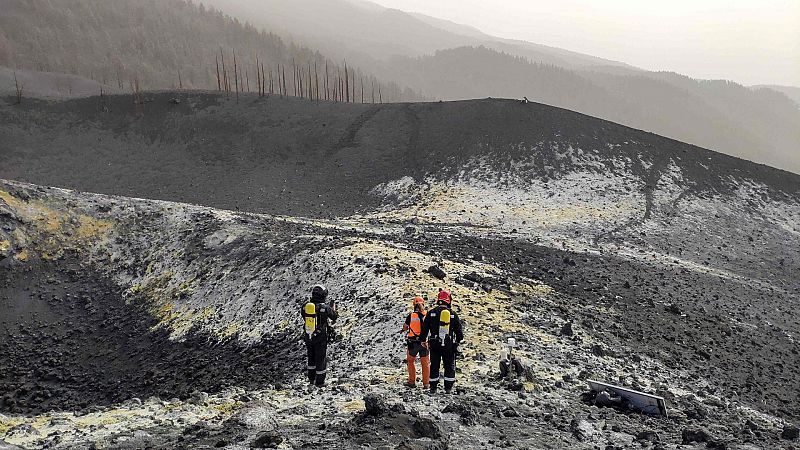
640 315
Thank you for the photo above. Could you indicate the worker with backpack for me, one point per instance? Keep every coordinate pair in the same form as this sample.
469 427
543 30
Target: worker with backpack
416 346
316 333
442 331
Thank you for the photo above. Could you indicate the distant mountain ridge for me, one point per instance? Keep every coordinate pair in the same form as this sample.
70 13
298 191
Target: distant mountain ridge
173 43
382 32
445 60
793 92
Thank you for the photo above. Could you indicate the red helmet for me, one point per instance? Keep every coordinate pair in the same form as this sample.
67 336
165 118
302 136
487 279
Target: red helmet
444 296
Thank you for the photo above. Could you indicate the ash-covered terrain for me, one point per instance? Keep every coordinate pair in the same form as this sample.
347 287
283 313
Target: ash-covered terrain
134 317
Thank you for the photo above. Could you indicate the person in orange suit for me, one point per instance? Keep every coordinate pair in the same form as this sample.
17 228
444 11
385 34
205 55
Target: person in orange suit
416 346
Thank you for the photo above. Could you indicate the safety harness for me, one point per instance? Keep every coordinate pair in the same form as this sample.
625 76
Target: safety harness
415 325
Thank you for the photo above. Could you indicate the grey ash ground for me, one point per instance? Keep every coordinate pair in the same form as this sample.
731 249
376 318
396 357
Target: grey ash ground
607 252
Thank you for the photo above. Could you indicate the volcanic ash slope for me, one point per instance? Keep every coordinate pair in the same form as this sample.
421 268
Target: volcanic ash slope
136 322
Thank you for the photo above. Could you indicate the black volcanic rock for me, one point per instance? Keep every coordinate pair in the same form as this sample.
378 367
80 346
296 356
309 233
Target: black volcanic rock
426 427
790 432
437 272
690 435
270 439
375 405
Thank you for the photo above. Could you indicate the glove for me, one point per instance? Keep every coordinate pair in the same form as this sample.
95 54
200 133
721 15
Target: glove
425 345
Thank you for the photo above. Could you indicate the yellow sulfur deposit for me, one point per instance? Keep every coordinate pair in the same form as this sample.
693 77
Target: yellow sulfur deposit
51 229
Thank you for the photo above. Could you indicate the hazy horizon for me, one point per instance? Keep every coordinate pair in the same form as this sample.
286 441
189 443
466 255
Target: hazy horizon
408 58
746 41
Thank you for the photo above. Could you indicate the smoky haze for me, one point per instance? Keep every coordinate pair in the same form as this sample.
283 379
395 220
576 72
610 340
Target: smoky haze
375 53
444 59
747 41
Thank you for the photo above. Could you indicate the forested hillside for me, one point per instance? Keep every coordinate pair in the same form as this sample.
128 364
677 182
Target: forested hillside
163 44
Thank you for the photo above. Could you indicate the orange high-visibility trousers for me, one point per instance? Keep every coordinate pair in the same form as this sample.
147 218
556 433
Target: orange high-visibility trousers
425 362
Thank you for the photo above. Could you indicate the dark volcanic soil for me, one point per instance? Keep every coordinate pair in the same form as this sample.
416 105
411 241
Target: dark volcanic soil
688 320
707 294
69 341
293 156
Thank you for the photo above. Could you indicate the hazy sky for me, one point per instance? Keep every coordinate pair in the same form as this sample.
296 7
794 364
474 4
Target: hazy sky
748 41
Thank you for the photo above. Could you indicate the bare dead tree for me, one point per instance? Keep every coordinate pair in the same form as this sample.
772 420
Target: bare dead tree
271 89
294 78
380 96
285 92
180 80
301 77
261 79
219 84
341 88
137 97
18 87
226 82
236 75
337 93
326 81
316 78
120 83
346 84
258 76
310 85
300 81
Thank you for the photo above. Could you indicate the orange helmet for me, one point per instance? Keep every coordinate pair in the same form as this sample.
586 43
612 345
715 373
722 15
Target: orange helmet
444 296
418 301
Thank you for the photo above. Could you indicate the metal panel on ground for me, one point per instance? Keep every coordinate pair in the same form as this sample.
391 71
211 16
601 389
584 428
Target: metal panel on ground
650 404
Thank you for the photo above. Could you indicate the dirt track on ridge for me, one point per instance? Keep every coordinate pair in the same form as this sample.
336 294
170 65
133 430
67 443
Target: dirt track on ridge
296 157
